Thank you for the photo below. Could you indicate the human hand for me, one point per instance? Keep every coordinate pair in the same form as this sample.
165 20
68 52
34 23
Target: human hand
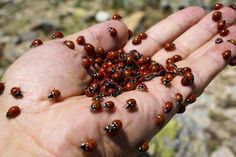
50 129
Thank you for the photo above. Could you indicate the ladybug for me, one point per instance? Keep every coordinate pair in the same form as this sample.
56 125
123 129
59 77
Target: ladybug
108 106
113 128
16 93
88 146
57 35
2 88
54 95
96 106
142 87
143 147
13 112
131 105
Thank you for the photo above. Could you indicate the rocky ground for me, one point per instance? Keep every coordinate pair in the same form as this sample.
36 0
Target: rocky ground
207 129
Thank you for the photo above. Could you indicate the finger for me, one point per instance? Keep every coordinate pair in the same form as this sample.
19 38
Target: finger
212 43
167 29
204 68
196 36
99 36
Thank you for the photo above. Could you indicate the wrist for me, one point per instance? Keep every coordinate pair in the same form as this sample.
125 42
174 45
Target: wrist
14 141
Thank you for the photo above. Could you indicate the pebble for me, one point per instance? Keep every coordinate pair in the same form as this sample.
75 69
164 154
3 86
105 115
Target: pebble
102 16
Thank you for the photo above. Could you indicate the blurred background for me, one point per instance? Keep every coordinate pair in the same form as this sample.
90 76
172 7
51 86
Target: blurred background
208 127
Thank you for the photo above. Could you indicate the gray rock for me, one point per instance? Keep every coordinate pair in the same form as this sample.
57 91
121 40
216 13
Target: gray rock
2 45
45 26
218 130
16 40
134 20
27 36
5 39
223 152
200 109
176 5
191 140
102 16
231 143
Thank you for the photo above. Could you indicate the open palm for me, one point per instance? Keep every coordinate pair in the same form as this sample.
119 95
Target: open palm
57 129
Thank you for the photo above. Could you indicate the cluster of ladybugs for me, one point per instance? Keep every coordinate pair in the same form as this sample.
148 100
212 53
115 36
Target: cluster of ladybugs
115 72
223 31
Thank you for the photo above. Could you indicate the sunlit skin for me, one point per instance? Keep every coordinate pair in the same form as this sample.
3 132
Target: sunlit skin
56 129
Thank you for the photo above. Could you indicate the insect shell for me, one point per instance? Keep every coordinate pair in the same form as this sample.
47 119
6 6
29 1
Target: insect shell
13 112
113 128
226 54
218 40
57 35
131 105
80 40
178 98
70 44
169 46
112 31
98 97
143 147
188 79
216 16
165 81
160 120
168 106
2 88
191 98
89 48
88 146
116 17
108 106
142 87
54 95
16 93
96 106
136 41
35 43
218 6
142 35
